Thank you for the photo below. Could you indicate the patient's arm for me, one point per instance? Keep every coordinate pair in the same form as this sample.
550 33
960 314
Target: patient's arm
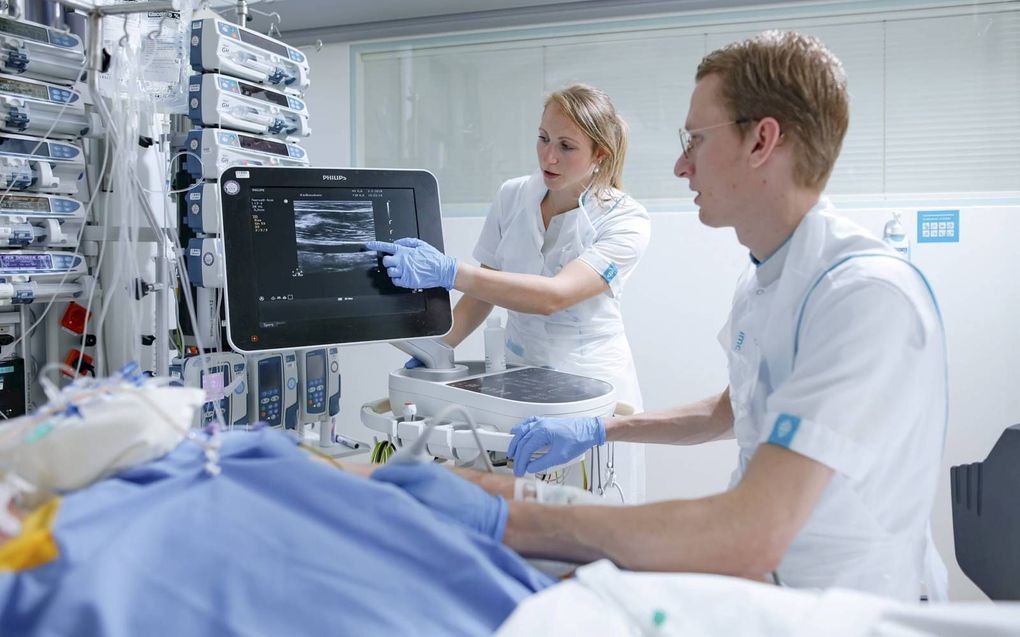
355 468
494 483
743 532
358 469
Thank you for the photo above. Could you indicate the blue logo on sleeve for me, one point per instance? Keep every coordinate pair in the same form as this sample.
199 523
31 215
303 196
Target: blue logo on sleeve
516 348
610 273
784 430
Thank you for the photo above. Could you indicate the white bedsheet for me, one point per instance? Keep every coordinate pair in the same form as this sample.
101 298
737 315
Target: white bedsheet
602 600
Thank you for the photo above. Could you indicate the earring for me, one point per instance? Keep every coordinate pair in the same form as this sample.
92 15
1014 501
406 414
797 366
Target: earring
596 171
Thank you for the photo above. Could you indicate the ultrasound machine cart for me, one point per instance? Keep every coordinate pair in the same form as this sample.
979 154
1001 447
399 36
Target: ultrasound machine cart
298 276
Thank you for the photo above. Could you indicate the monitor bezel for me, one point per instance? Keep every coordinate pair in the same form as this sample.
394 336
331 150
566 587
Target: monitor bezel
240 291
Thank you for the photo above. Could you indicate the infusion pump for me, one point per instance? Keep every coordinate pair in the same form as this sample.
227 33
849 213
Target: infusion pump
215 149
41 108
29 163
216 100
38 51
217 46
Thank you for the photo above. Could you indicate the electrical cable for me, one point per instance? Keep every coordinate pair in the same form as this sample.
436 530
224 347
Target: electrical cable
417 448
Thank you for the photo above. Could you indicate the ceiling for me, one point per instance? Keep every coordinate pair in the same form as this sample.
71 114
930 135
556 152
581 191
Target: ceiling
299 15
305 21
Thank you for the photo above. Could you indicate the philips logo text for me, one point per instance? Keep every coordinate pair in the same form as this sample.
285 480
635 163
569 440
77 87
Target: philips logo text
334 178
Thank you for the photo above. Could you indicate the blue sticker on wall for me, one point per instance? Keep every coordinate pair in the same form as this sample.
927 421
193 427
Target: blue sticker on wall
784 430
938 226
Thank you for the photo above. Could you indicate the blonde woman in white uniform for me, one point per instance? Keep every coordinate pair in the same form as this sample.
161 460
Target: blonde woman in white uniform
556 250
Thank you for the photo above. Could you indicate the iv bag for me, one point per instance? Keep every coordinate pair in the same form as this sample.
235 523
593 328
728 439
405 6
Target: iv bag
159 44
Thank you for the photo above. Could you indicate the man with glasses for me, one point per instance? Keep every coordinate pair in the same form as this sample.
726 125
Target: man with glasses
837 378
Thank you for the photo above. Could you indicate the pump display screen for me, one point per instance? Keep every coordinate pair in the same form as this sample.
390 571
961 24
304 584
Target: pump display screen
263 43
316 365
250 90
16 146
11 85
214 382
23 30
24 202
536 385
25 261
298 273
263 145
269 375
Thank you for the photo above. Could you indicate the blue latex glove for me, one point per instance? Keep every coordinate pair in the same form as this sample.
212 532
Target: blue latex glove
441 490
412 363
564 439
414 264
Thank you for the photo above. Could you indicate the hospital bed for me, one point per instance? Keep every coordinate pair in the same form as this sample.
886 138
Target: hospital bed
254 535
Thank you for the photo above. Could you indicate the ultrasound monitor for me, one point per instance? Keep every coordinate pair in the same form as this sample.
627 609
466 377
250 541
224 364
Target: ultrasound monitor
297 272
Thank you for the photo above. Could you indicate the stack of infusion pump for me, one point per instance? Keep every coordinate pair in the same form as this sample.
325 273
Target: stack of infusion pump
247 108
42 122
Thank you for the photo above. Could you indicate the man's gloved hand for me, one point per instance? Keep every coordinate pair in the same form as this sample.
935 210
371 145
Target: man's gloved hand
444 491
564 439
412 263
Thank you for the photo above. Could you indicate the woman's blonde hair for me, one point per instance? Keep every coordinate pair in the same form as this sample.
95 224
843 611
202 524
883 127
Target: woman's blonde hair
591 110
795 79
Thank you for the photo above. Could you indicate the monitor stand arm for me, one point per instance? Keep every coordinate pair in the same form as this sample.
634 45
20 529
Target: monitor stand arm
432 352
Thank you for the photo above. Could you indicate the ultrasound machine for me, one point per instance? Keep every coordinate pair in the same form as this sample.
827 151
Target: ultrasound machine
298 277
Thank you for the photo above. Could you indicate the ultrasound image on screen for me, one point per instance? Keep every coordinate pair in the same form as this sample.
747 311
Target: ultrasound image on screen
331 235
313 261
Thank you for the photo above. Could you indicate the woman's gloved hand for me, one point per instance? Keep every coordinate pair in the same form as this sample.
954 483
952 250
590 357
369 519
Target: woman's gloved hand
412 263
563 438
442 490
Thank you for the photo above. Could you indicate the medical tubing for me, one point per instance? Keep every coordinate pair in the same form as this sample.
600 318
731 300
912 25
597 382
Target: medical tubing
127 126
182 273
418 446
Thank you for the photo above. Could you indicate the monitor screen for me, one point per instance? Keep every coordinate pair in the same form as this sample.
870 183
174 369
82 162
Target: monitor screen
298 274
262 93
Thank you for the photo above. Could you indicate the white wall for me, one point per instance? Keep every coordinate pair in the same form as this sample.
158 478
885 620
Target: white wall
679 297
329 105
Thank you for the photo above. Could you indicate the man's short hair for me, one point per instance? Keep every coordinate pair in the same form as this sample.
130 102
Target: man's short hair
796 80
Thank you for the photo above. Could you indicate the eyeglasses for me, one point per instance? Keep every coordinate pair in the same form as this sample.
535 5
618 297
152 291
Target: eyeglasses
687 137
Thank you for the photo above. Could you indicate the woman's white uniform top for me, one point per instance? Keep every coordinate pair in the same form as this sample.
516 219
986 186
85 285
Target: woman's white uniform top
609 236
836 351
